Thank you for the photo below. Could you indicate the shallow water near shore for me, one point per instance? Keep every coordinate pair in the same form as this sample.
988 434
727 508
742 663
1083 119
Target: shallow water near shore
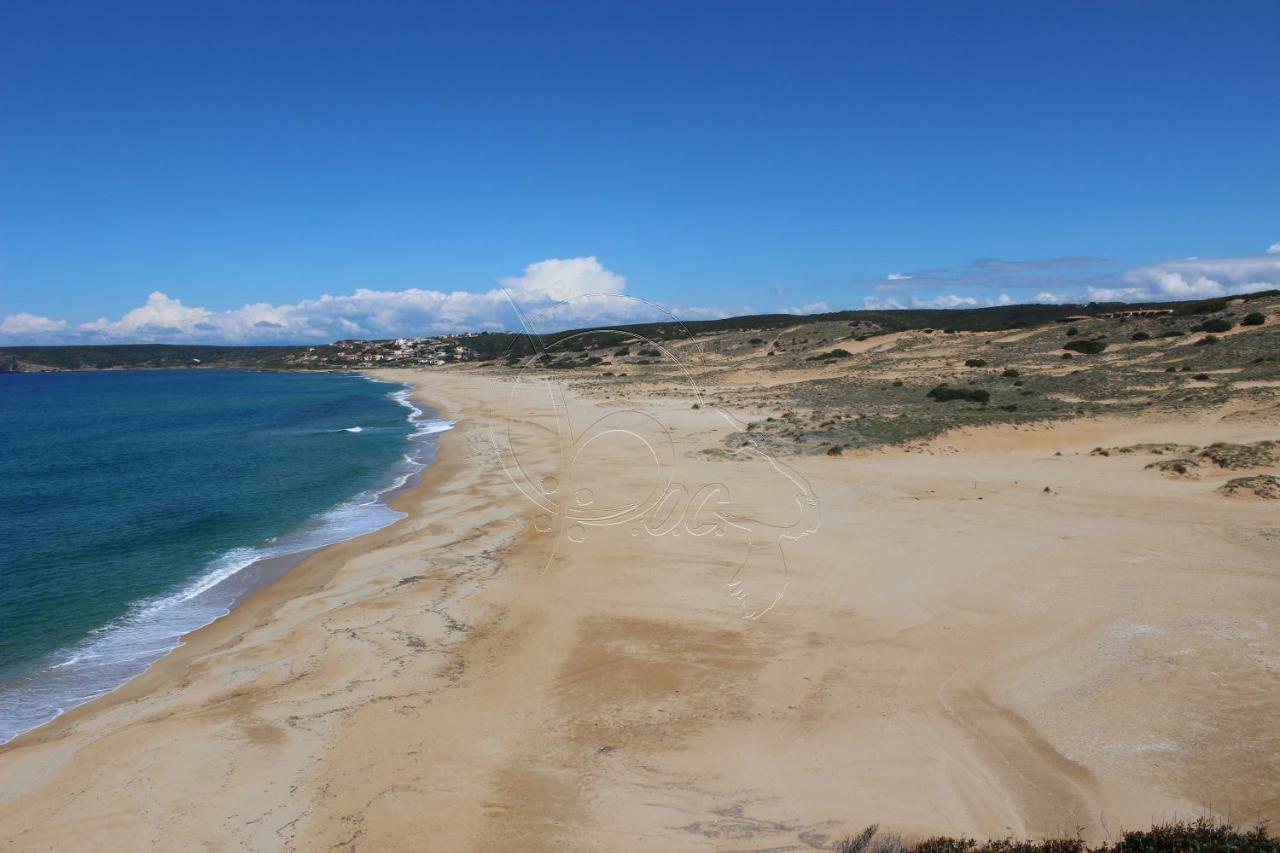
136 507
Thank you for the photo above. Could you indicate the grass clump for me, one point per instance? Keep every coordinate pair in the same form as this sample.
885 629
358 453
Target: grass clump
1234 457
1182 468
1262 485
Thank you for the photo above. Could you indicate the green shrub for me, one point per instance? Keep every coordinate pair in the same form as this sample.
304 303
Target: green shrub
756 341
1086 347
1254 318
1201 377
623 351
897 383
1172 333
975 362
1207 340
1010 373
1218 324
835 353
1140 336
945 393
1072 332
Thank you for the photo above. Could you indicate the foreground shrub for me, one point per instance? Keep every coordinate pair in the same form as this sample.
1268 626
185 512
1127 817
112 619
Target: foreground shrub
1085 347
1217 325
1254 318
1010 373
1200 836
1140 336
975 362
945 394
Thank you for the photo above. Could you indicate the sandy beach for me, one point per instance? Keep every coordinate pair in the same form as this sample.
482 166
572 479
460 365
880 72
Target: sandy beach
992 632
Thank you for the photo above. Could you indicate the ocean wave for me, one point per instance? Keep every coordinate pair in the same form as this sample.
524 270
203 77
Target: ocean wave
119 651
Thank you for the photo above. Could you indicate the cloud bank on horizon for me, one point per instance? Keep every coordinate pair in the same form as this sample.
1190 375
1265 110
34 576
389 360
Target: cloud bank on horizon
551 295
1057 281
557 293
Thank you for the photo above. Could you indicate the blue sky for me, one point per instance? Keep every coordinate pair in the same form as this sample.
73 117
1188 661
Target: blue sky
163 167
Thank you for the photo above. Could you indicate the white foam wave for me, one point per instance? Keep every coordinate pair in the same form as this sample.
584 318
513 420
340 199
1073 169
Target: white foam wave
119 651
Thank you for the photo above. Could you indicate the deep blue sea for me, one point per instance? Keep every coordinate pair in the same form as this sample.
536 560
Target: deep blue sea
138 506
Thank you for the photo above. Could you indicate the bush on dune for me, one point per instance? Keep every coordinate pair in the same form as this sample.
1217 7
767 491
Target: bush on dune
1217 324
945 394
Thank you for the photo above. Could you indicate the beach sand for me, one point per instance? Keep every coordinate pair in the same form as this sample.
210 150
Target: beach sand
993 633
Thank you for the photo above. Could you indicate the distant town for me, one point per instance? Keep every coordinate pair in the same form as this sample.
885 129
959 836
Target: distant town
399 352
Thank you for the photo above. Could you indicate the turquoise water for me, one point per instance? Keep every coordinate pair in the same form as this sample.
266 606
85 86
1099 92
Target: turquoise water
138 506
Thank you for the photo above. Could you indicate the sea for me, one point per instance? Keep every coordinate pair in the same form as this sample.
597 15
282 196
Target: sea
138 506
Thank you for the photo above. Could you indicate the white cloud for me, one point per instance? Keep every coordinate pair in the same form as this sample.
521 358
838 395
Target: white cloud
897 276
1046 298
1197 278
876 303
564 279
945 300
28 324
1273 249
1004 299
810 308
1113 294
551 294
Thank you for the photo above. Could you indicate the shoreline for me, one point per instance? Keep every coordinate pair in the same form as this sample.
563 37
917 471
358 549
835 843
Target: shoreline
442 684
259 575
